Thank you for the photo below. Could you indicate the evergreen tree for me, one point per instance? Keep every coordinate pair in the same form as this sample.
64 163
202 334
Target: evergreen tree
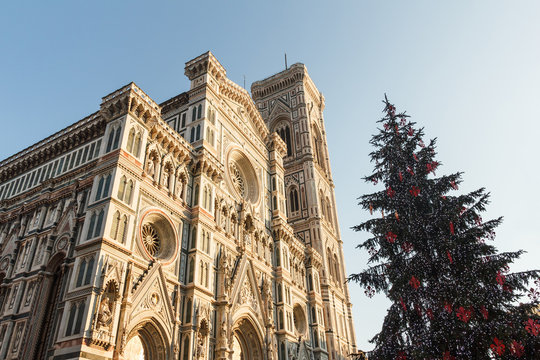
452 294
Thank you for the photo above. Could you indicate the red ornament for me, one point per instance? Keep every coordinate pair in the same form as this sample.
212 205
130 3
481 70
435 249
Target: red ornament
414 191
484 312
451 228
449 256
478 220
498 346
447 356
415 157
390 192
534 294
516 349
396 128
410 132
463 209
407 247
401 356
403 121
386 126
429 313
403 304
414 282
400 176
391 237
448 307
532 327
409 170
432 166
500 278
453 184
421 143
464 314
374 181
507 287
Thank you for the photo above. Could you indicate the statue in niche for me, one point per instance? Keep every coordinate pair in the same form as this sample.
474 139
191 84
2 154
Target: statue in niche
267 295
150 166
105 312
165 181
179 187
226 271
222 335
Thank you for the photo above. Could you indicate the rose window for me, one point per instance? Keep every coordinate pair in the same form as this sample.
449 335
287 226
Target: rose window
242 178
237 179
157 237
150 239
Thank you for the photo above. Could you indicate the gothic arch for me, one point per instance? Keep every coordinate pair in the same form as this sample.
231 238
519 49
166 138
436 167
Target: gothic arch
247 338
153 337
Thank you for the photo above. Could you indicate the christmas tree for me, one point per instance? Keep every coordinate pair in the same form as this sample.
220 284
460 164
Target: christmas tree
452 294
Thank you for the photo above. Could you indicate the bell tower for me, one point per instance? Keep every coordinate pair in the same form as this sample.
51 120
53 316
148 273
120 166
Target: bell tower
292 106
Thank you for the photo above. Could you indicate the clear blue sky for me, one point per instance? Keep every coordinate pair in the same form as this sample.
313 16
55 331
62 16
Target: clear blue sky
469 71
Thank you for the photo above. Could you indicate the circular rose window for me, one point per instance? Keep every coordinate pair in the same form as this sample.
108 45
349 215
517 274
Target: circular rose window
299 319
242 177
158 237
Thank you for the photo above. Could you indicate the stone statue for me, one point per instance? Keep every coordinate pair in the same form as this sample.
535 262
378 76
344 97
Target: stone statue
222 335
150 167
179 187
165 179
105 312
226 271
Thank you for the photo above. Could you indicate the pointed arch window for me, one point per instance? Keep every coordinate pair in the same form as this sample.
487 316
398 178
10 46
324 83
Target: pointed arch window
293 200
199 111
194 114
131 138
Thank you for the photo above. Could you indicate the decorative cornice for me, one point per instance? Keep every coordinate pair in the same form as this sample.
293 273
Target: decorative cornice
279 81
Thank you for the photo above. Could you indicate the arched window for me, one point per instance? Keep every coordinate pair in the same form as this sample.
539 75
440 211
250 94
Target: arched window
191 267
205 197
199 111
89 271
194 114
80 275
129 192
110 140
328 211
90 233
71 319
107 186
99 222
201 272
193 238
122 187
192 135
281 319
198 136
337 272
280 293
114 226
122 228
187 318
116 138
293 200
130 140
137 145
100 187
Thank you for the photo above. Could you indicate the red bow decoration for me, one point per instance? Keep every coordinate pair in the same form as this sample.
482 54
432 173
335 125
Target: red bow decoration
447 356
429 313
484 312
449 256
448 307
451 228
391 237
516 349
409 170
453 184
401 356
500 278
414 191
414 282
407 247
498 346
390 192
432 166
532 327
403 121
400 176
410 132
403 304
464 314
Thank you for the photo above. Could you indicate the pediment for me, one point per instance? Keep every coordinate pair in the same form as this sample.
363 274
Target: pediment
246 290
66 222
152 295
280 108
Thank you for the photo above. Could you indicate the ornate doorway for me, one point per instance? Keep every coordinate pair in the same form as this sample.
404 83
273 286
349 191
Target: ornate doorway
246 341
146 343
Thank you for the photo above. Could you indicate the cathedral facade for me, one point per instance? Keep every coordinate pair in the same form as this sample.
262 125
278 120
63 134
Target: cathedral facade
203 227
